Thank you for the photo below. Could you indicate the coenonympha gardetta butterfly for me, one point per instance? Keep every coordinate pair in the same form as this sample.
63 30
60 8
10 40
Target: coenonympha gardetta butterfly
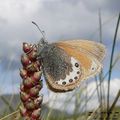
66 63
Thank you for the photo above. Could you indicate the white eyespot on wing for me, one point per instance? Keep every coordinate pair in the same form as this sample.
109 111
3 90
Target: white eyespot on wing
94 66
74 75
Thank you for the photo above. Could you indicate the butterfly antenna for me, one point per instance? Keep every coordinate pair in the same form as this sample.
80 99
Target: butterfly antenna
42 32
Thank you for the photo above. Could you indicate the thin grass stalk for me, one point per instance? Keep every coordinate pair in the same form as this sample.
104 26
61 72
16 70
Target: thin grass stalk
66 103
114 63
9 115
9 106
76 107
68 100
104 23
2 97
101 73
86 97
112 107
7 103
100 25
94 115
111 62
78 102
11 99
97 88
114 103
19 104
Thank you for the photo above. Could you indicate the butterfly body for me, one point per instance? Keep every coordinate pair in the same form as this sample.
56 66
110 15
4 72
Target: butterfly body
66 63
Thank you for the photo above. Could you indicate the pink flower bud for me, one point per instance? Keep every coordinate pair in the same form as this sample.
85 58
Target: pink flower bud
37 65
27 118
36 76
38 101
32 55
28 82
26 47
29 105
23 111
35 90
22 88
36 114
25 60
32 67
24 96
31 85
23 73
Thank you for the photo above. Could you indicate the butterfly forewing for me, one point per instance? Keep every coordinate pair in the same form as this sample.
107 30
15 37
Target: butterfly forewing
95 49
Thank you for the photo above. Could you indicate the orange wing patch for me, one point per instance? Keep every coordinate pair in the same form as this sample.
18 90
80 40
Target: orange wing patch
90 65
84 60
98 50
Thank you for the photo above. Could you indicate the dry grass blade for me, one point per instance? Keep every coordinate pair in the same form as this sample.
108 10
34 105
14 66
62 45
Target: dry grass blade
7 103
104 23
14 115
114 103
111 62
114 63
101 88
94 115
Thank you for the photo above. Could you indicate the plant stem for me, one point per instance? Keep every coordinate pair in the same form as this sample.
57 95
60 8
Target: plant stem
111 62
4 118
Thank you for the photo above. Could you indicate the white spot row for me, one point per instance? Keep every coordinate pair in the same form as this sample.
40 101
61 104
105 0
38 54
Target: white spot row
74 75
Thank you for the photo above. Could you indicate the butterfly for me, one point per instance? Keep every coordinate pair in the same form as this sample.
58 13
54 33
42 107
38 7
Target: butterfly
66 63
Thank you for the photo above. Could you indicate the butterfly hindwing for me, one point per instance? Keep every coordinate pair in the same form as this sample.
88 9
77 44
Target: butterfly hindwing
61 70
67 63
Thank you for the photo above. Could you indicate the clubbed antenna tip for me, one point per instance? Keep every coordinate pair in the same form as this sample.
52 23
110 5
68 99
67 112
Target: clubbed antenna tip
42 32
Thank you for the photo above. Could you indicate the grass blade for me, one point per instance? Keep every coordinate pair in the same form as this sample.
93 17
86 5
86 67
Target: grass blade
111 62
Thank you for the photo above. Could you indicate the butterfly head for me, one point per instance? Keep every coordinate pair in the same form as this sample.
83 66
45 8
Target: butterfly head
43 48
42 43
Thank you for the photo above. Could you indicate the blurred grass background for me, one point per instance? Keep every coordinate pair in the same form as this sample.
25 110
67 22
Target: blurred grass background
9 104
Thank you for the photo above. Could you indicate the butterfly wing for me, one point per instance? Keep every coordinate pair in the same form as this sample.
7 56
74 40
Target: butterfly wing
95 49
89 54
61 70
69 63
